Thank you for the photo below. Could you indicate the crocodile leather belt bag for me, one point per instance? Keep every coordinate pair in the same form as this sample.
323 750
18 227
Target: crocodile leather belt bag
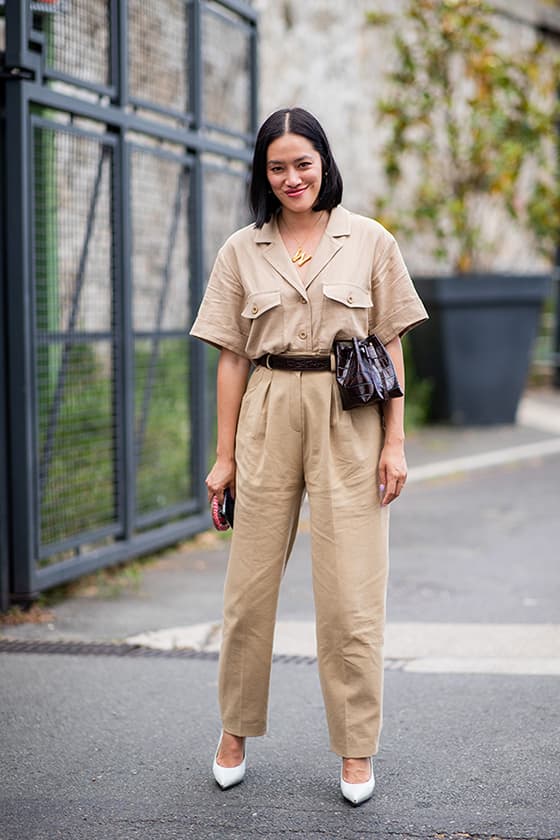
365 372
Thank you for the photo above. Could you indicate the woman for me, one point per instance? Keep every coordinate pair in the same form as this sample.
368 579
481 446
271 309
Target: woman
282 290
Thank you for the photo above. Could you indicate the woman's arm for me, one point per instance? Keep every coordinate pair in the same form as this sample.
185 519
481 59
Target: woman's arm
392 463
233 372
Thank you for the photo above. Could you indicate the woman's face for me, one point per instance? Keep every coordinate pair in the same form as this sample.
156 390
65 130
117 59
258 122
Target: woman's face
294 170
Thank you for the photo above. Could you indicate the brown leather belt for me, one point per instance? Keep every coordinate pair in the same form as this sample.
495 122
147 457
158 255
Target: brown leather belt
294 362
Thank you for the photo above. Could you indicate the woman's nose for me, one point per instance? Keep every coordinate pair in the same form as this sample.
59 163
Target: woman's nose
293 178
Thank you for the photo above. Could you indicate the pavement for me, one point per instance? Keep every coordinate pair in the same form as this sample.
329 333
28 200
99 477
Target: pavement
108 711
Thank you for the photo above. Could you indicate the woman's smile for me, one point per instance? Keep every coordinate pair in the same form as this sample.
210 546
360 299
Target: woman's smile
296 192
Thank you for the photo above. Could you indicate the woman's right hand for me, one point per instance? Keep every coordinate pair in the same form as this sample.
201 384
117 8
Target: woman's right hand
221 475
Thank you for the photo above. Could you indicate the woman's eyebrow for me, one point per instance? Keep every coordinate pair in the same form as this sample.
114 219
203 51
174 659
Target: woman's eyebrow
297 160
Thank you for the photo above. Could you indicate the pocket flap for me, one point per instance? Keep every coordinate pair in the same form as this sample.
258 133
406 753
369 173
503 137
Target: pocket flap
348 294
260 302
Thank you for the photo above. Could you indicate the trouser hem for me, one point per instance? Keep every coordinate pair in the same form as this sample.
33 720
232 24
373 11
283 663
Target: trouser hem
363 750
244 731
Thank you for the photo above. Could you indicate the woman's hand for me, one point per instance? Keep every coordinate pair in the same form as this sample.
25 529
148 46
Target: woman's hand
392 471
221 475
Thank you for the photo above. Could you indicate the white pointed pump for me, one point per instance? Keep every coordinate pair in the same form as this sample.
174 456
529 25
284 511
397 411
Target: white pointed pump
229 776
360 792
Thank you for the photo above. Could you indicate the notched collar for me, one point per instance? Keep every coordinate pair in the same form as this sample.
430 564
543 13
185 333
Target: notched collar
337 228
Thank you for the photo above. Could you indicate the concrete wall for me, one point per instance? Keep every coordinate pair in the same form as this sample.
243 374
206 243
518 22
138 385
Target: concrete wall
321 55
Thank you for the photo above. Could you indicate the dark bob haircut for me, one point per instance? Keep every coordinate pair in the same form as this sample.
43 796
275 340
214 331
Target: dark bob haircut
264 203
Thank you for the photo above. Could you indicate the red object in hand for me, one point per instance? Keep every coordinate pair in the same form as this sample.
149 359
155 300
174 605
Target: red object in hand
218 516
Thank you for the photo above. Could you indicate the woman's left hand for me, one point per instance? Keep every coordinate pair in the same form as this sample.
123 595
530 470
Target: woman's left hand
392 472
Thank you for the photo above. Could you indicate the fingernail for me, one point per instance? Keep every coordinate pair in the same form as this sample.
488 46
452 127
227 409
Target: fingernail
381 488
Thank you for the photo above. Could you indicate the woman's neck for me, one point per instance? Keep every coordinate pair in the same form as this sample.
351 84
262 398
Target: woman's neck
301 222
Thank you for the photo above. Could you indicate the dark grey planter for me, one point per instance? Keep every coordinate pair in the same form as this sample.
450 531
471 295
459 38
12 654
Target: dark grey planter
476 348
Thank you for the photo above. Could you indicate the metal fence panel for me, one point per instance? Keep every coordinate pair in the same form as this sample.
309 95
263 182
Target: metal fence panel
160 303
78 41
227 68
159 71
73 262
106 249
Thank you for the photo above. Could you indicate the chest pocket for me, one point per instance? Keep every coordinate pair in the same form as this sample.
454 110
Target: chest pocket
345 312
265 315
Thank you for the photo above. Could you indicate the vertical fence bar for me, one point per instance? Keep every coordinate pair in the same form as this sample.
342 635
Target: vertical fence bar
117 72
122 289
254 80
17 14
195 52
123 343
21 402
4 576
198 403
4 515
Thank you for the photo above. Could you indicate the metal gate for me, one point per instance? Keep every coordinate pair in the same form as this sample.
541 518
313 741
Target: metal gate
127 131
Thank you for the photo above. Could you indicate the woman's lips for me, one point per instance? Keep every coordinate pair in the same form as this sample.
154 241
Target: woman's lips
295 193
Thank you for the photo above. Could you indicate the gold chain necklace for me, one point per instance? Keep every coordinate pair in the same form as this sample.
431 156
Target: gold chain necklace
300 257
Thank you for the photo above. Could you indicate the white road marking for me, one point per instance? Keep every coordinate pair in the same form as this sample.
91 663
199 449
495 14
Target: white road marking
191 637
481 461
418 639
538 667
420 647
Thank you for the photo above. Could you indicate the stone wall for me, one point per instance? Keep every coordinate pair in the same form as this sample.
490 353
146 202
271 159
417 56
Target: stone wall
321 55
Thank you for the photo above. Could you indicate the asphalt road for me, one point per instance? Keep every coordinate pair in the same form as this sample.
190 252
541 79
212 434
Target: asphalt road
115 749
118 749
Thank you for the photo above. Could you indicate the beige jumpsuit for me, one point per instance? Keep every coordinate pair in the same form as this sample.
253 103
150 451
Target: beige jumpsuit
293 436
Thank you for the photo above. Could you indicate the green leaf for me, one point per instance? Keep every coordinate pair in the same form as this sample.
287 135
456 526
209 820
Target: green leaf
378 18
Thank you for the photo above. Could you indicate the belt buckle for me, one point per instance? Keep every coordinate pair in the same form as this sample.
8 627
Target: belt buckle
268 361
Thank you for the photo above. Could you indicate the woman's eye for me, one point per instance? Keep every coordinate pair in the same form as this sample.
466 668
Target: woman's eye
276 169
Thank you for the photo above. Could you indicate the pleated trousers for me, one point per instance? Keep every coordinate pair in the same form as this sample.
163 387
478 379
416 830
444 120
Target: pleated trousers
293 435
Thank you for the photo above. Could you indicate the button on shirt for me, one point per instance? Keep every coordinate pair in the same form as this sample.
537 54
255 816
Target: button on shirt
356 284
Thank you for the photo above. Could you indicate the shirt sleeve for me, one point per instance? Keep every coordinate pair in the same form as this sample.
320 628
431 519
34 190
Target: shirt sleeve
397 308
219 320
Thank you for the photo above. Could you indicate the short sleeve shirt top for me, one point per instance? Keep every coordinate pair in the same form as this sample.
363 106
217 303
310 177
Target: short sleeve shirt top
258 302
